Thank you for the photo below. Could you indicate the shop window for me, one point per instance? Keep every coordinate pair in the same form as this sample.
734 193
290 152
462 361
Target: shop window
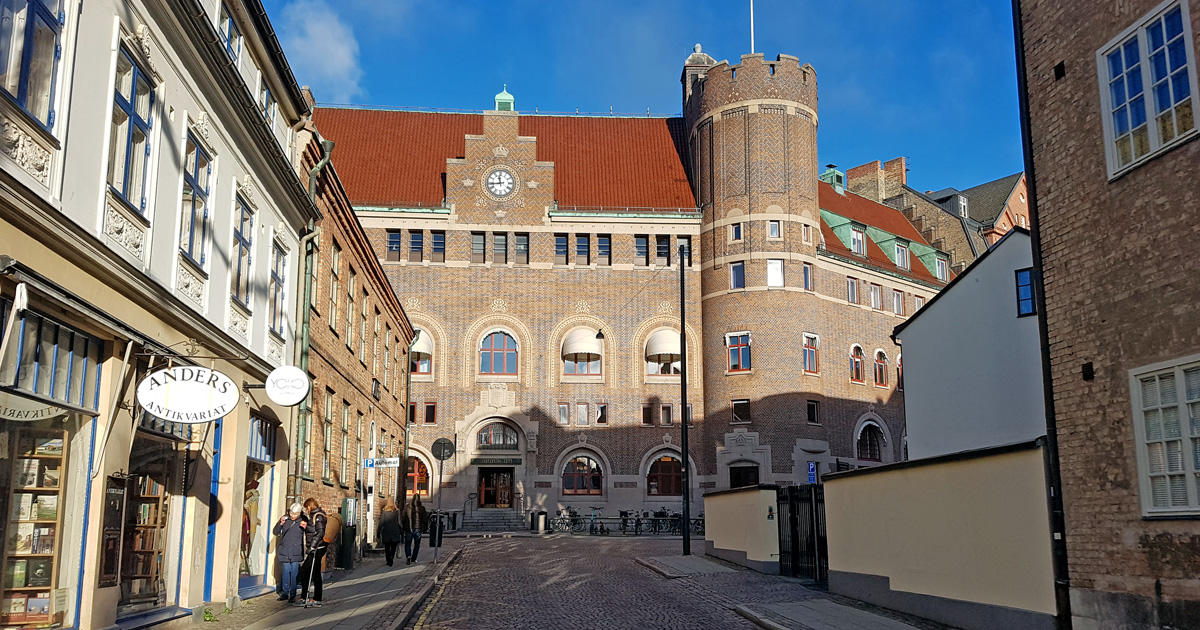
665 478
149 489
129 136
582 475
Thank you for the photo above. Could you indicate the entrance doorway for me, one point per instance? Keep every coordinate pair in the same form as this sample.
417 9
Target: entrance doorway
495 487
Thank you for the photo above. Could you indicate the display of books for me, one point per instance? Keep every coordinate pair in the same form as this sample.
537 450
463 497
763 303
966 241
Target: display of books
49 446
23 543
47 507
15 577
13 610
37 608
39 573
43 540
50 477
27 473
23 507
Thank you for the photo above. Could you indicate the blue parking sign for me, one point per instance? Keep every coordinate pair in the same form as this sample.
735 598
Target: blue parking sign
812 472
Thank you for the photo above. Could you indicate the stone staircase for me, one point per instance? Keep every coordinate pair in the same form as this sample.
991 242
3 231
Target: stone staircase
494 520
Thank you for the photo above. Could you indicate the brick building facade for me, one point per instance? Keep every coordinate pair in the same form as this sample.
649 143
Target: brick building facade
358 340
539 257
1110 107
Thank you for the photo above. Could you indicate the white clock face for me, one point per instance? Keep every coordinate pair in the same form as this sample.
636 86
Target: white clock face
500 183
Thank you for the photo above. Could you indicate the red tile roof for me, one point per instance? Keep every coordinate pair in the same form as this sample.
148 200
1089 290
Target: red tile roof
867 212
396 158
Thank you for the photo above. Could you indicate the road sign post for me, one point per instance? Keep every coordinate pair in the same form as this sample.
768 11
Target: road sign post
443 449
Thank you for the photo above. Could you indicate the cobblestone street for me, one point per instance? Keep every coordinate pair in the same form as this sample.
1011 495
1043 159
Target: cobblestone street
584 582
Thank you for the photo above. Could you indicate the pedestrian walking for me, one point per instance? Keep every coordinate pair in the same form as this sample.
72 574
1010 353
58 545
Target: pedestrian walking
314 548
289 534
414 520
389 533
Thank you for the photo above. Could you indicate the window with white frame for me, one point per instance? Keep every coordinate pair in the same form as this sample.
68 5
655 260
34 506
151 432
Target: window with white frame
876 296
858 242
1151 61
564 413
275 289
243 241
129 134
581 414
902 256
808 276
231 35
266 103
29 33
852 290
812 350
735 231
773 229
918 302
897 302
774 272
1166 404
806 233
194 231
942 271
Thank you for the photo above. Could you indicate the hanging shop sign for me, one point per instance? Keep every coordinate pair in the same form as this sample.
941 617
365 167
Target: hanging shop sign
287 385
188 394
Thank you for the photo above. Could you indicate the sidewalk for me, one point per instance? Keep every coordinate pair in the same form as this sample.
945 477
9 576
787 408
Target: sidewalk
372 596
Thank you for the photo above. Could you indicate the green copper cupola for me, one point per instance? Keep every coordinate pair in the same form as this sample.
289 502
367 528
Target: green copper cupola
505 101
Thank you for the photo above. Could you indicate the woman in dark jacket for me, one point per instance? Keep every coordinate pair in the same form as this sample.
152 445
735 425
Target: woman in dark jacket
289 548
389 533
414 520
314 548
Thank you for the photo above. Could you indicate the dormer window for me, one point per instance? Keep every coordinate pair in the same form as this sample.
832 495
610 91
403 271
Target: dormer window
902 256
942 272
858 242
962 206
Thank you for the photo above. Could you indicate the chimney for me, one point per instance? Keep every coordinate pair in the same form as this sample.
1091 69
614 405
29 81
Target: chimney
895 177
866 181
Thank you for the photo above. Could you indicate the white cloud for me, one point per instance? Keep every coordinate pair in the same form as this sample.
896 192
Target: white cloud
322 50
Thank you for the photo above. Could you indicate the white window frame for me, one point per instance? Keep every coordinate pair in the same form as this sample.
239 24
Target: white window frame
1138 29
1189 436
897 301
942 269
740 265
918 302
774 272
809 281
806 233
876 292
902 256
852 290
858 241
774 229
735 232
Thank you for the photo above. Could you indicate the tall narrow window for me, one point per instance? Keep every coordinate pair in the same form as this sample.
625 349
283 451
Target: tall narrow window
876 296
335 291
602 414
902 256
438 253
641 250
739 352
852 290
942 273
412 413
498 354
604 249
735 231
395 241
266 102
806 233
773 229
345 443
275 289
814 412
1025 303
808 277
685 244
857 364
581 414
564 414
522 249
662 250
387 356
478 247
647 415
918 302
314 271
194 232
430 413
416 245
881 369
774 273
351 314
29 36
812 353
243 235
737 275
327 437
231 35
421 358
129 137
583 249
858 242
500 248
897 302
561 249
362 328
665 414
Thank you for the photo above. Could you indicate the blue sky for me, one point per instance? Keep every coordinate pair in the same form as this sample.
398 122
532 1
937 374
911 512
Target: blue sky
934 81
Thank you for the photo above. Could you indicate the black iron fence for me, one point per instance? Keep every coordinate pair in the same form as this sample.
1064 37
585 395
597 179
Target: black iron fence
803 545
631 524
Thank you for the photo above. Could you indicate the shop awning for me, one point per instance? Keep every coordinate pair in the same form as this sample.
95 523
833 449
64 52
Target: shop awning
663 346
424 344
582 341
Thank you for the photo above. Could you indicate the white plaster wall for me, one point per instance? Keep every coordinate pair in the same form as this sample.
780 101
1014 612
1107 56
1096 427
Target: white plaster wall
972 368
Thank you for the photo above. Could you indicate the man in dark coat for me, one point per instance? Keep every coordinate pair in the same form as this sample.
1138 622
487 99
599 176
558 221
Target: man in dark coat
289 548
414 520
389 533
314 549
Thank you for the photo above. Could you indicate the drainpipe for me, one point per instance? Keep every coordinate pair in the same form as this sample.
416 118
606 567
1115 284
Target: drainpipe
306 246
407 403
1054 499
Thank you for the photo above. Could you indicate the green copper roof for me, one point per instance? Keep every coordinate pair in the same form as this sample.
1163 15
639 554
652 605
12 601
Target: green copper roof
505 101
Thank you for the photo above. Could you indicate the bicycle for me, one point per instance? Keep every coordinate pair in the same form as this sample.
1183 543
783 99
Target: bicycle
596 526
563 520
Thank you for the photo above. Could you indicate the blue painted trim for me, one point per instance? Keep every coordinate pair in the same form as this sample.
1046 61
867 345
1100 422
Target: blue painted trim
214 487
87 508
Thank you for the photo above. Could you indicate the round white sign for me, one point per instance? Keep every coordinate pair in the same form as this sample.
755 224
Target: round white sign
287 385
188 394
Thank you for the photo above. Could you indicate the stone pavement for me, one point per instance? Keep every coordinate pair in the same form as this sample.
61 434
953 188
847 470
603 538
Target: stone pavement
372 596
584 582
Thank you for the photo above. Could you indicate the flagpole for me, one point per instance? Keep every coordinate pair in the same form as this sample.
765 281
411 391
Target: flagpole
751 27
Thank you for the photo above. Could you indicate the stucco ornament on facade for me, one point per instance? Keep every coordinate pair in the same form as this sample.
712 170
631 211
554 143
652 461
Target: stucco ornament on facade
203 125
189 283
247 191
19 145
144 40
665 307
412 304
239 322
275 350
497 396
583 307
531 441
123 230
499 306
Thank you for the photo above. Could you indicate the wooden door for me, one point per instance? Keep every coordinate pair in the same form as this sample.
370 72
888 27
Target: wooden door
504 489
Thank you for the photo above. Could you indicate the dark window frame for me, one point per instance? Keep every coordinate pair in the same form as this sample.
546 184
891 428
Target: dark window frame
1027 305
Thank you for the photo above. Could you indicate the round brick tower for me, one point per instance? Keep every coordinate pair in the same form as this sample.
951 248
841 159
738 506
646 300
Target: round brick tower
752 134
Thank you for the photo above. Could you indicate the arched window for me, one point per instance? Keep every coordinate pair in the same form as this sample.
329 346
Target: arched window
663 353
581 353
421 359
665 478
881 369
582 475
418 477
857 364
498 354
497 436
870 443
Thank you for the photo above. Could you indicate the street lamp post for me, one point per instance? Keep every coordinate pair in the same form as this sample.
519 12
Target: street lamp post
687 416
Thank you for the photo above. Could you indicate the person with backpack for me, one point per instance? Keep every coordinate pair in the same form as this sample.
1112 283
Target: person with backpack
314 548
289 533
414 520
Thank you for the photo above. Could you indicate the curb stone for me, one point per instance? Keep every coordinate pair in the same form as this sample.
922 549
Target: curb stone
670 575
406 614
